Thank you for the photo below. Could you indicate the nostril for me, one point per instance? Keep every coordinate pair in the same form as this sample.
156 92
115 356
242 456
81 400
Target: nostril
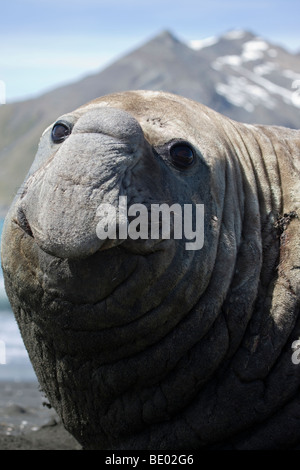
23 222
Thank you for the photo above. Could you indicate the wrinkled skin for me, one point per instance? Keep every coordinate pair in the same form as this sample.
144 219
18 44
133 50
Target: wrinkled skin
142 344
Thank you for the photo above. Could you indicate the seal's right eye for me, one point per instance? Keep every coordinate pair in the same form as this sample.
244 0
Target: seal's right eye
60 132
182 155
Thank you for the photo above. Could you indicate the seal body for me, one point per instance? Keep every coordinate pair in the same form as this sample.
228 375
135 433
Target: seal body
141 343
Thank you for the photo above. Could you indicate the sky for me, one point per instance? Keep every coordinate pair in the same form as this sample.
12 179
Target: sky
47 43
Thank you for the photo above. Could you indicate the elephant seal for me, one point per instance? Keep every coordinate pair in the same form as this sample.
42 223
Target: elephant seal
143 344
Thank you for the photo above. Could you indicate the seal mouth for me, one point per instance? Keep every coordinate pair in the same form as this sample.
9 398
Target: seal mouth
139 246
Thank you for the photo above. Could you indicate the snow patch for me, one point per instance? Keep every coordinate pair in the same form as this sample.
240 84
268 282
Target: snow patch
285 95
255 90
291 74
241 92
198 44
254 50
233 60
265 69
235 34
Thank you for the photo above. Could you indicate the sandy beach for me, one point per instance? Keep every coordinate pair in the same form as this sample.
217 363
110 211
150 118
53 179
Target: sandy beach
27 423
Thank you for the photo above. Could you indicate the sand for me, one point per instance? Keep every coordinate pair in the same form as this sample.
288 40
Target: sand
27 423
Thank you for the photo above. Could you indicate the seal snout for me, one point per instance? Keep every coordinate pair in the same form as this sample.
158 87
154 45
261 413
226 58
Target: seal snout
115 123
91 165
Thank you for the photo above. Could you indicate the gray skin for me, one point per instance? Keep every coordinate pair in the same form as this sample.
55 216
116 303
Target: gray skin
142 344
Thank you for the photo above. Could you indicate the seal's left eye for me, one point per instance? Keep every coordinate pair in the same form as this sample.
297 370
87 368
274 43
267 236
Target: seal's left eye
182 155
60 132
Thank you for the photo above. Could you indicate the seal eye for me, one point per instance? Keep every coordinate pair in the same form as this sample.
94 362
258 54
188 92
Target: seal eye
60 132
182 155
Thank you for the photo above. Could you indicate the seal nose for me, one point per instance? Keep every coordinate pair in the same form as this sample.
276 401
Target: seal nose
22 221
113 122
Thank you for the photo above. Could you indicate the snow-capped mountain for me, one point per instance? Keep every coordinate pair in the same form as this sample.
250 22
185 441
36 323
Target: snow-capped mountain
238 74
259 78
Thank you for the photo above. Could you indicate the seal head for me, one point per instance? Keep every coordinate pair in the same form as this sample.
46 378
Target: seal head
141 343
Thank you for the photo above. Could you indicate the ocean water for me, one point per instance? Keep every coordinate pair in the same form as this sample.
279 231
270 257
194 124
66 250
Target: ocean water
14 361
